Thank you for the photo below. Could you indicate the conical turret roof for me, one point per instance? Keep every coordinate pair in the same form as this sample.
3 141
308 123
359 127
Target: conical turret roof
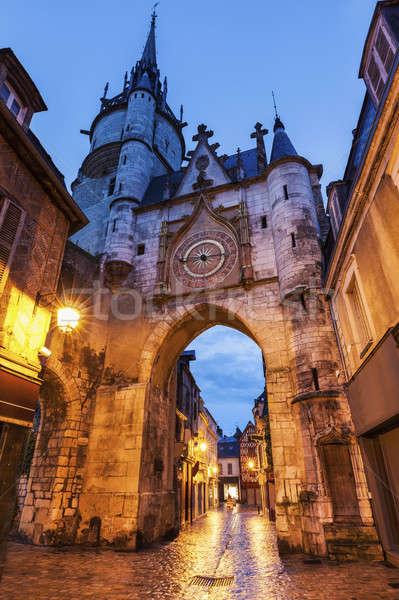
282 145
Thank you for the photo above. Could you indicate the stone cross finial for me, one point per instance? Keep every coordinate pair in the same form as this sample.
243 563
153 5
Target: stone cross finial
258 134
203 134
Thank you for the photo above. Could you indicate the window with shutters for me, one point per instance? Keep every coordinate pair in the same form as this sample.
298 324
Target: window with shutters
380 62
12 101
362 335
11 221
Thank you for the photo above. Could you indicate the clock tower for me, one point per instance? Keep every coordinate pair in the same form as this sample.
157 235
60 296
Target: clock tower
228 239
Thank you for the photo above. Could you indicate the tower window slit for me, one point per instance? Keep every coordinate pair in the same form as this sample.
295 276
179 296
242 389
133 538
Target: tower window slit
140 249
122 132
127 128
120 187
293 240
142 95
114 225
111 186
285 188
315 376
124 159
264 222
135 95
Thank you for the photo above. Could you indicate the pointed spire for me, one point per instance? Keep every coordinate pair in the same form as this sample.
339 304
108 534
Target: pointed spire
282 145
149 58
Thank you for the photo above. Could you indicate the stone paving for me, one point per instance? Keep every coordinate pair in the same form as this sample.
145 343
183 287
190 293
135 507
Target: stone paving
239 544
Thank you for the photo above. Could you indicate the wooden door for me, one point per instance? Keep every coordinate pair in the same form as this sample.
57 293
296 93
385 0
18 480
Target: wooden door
340 481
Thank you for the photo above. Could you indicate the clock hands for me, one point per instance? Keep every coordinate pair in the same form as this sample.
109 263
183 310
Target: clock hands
202 257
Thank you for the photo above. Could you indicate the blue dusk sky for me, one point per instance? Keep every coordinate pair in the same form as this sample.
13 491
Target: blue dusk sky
222 59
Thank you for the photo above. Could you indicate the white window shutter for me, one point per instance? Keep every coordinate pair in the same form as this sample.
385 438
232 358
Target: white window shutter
11 220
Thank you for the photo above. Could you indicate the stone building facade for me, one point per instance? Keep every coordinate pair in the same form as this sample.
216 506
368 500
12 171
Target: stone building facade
36 216
233 240
362 254
195 448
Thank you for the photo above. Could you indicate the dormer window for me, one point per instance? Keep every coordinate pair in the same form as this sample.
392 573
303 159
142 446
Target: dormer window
10 99
380 62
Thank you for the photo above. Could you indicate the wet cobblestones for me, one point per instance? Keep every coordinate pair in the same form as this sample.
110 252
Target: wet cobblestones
221 544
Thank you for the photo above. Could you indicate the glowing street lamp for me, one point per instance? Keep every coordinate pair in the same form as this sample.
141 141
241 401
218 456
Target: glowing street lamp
203 446
251 464
215 469
67 319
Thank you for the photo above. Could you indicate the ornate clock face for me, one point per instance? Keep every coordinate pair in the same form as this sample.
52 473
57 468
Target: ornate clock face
204 258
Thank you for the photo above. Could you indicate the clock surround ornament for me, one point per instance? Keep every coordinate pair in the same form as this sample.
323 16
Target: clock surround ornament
204 258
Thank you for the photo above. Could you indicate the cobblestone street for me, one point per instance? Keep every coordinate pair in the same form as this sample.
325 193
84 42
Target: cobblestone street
239 544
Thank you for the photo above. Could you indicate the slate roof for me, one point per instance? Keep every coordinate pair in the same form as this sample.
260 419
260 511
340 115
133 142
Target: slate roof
282 145
45 155
249 160
155 190
228 447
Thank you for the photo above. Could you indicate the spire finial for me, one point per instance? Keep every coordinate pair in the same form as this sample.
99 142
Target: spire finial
106 90
275 107
154 14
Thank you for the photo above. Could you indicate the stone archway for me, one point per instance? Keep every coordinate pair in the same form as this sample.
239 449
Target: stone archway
136 422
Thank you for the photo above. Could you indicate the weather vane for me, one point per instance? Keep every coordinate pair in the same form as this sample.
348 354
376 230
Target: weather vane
154 14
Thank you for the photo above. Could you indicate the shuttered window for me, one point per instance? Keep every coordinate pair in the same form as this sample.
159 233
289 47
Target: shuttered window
380 63
11 220
375 77
362 331
384 50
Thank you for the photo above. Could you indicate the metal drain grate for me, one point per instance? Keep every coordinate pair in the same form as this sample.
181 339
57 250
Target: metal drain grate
211 581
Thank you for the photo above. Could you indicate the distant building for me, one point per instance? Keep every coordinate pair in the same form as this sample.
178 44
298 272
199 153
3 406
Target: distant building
249 465
36 216
195 447
362 256
229 467
264 456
